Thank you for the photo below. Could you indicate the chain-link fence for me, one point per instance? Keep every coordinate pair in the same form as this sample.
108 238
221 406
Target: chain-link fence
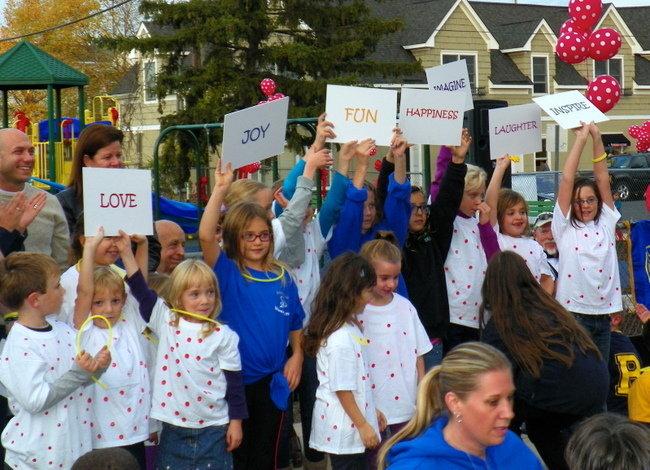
628 188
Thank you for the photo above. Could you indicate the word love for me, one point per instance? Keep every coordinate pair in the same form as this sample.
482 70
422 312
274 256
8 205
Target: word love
453 85
251 135
569 108
115 200
510 128
432 113
361 115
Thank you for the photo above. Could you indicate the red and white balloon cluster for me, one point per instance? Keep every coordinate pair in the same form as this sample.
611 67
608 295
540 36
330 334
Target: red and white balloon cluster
577 41
642 135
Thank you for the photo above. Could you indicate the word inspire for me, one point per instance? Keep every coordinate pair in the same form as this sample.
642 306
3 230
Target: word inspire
361 114
251 135
569 108
433 113
117 200
510 128
453 85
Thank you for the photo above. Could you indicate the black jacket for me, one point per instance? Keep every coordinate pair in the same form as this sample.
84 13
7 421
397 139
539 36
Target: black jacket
425 253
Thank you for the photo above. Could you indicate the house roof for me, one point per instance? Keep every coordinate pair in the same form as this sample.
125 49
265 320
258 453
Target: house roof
128 83
156 29
25 66
642 68
512 25
504 71
566 74
636 19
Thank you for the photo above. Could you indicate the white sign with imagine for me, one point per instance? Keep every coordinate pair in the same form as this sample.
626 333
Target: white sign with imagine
452 78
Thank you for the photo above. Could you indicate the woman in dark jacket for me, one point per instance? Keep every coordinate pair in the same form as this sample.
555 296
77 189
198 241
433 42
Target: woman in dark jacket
560 377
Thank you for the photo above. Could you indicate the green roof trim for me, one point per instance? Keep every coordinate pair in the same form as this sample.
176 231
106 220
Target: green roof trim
25 66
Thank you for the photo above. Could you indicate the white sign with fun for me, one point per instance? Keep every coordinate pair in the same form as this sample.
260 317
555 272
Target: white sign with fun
431 117
515 130
568 109
361 113
117 199
452 78
255 133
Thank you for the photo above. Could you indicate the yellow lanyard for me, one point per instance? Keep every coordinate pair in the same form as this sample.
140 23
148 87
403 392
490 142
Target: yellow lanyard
109 341
196 315
273 279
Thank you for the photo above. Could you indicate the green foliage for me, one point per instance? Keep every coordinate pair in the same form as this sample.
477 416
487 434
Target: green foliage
216 52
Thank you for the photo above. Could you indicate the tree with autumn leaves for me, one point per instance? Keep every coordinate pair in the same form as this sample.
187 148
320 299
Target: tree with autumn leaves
72 44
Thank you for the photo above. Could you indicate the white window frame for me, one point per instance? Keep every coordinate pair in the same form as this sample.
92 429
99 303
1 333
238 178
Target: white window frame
622 59
548 73
466 53
144 79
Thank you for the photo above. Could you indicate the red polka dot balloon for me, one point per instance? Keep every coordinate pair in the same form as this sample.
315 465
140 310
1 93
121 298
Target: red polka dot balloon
635 131
569 26
571 48
604 44
268 87
604 92
585 13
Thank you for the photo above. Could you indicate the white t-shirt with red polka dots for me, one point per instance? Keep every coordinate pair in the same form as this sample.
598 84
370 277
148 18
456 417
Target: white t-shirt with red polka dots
121 410
340 366
465 270
189 386
307 275
57 436
588 279
397 338
531 251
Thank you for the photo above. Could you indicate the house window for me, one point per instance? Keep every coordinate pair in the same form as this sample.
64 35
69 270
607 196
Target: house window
613 67
540 75
149 81
471 66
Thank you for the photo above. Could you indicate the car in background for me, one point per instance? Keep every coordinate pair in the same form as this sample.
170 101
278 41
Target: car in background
630 175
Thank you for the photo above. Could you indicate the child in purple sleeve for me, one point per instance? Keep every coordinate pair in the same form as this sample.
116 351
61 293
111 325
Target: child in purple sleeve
361 219
472 245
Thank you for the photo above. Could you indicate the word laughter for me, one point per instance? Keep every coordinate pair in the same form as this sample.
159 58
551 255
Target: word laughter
518 127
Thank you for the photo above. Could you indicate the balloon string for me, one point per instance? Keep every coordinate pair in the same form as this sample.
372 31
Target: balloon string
109 341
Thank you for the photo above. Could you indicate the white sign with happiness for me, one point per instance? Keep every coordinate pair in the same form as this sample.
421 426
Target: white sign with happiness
255 133
431 117
117 199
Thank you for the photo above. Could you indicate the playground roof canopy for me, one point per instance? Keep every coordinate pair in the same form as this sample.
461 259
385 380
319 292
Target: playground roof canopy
25 66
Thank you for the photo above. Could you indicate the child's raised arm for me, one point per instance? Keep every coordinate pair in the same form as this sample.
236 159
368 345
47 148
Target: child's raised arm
492 193
601 173
131 265
565 190
85 287
210 218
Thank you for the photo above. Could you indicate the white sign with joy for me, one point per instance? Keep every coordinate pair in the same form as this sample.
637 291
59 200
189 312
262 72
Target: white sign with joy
452 78
515 130
255 133
569 108
361 113
431 117
117 199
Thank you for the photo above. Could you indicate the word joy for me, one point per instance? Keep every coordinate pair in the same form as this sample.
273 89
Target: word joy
251 135
115 200
361 114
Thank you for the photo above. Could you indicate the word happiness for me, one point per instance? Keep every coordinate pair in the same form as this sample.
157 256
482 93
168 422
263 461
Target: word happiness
569 108
115 200
510 128
251 135
432 113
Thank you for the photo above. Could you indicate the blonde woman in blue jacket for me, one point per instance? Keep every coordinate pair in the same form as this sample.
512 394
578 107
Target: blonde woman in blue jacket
464 408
